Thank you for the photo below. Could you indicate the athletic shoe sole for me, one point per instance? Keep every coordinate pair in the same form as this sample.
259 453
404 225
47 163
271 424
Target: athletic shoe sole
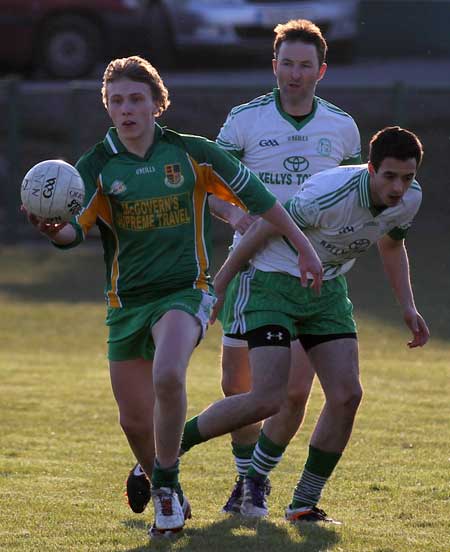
138 492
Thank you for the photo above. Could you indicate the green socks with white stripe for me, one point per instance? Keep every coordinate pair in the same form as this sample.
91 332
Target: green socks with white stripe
242 457
318 469
265 458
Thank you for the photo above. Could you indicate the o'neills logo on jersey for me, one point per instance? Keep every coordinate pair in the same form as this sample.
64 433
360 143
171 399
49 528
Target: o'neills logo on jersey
174 178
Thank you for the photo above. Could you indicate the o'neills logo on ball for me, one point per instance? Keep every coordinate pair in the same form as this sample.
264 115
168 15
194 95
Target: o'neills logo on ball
74 207
174 178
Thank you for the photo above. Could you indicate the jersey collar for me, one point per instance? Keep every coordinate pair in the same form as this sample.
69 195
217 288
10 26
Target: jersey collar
365 198
112 143
296 124
114 146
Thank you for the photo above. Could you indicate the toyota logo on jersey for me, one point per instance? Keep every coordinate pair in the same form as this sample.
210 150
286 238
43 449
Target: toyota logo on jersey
296 163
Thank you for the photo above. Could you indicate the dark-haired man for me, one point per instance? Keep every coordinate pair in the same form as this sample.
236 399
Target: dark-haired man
343 211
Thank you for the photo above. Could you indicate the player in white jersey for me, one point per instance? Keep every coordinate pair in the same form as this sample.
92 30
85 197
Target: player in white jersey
343 211
285 137
285 150
336 208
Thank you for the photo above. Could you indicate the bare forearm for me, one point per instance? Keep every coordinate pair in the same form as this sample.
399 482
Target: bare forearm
221 209
309 263
396 266
285 226
251 242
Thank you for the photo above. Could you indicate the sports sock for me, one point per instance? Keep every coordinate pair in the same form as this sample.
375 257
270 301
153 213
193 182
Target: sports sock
242 457
318 468
266 456
191 435
165 477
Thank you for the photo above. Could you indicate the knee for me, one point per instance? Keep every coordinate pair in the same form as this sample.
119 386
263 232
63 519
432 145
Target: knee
135 425
168 383
297 399
347 398
355 396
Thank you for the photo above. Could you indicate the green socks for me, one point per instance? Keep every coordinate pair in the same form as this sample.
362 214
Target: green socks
242 457
165 477
318 468
191 435
266 456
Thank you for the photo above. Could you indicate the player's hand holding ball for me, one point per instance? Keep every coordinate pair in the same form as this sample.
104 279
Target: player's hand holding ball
49 229
52 193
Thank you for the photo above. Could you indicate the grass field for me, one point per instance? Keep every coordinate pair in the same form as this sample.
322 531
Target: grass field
63 458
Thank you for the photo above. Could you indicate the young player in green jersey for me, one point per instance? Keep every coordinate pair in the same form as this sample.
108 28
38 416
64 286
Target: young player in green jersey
343 211
147 190
284 136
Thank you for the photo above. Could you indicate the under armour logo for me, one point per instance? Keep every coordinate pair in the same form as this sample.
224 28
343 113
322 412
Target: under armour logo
270 335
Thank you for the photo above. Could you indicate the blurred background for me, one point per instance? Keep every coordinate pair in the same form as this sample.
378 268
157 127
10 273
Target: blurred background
389 63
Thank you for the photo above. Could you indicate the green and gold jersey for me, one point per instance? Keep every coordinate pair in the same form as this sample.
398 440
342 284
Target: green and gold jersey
153 212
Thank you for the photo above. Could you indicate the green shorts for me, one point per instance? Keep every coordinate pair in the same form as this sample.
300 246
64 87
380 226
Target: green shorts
130 334
255 298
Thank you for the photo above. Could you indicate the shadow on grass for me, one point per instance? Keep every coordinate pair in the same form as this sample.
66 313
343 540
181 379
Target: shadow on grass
237 534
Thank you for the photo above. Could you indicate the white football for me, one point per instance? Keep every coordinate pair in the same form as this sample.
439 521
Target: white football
53 190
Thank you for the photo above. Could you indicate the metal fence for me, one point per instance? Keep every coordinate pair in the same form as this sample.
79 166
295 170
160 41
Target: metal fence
62 120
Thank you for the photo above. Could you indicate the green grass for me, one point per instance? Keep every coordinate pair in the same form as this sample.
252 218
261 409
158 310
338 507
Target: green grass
63 458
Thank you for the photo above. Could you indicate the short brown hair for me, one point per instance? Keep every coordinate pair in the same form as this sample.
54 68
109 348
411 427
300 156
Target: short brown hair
303 30
395 142
137 69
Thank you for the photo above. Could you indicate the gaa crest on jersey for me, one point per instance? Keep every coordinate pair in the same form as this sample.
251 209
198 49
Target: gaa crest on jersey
174 178
117 187
324 147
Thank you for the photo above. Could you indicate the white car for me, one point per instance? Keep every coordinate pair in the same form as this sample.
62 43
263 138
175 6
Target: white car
208 27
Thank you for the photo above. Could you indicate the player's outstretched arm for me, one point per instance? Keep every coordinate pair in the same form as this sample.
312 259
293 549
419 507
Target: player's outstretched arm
277 222
253 240
396 266
308 260
233 215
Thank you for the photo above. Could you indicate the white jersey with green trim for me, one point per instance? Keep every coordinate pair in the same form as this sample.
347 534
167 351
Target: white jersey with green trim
284 152
335 211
